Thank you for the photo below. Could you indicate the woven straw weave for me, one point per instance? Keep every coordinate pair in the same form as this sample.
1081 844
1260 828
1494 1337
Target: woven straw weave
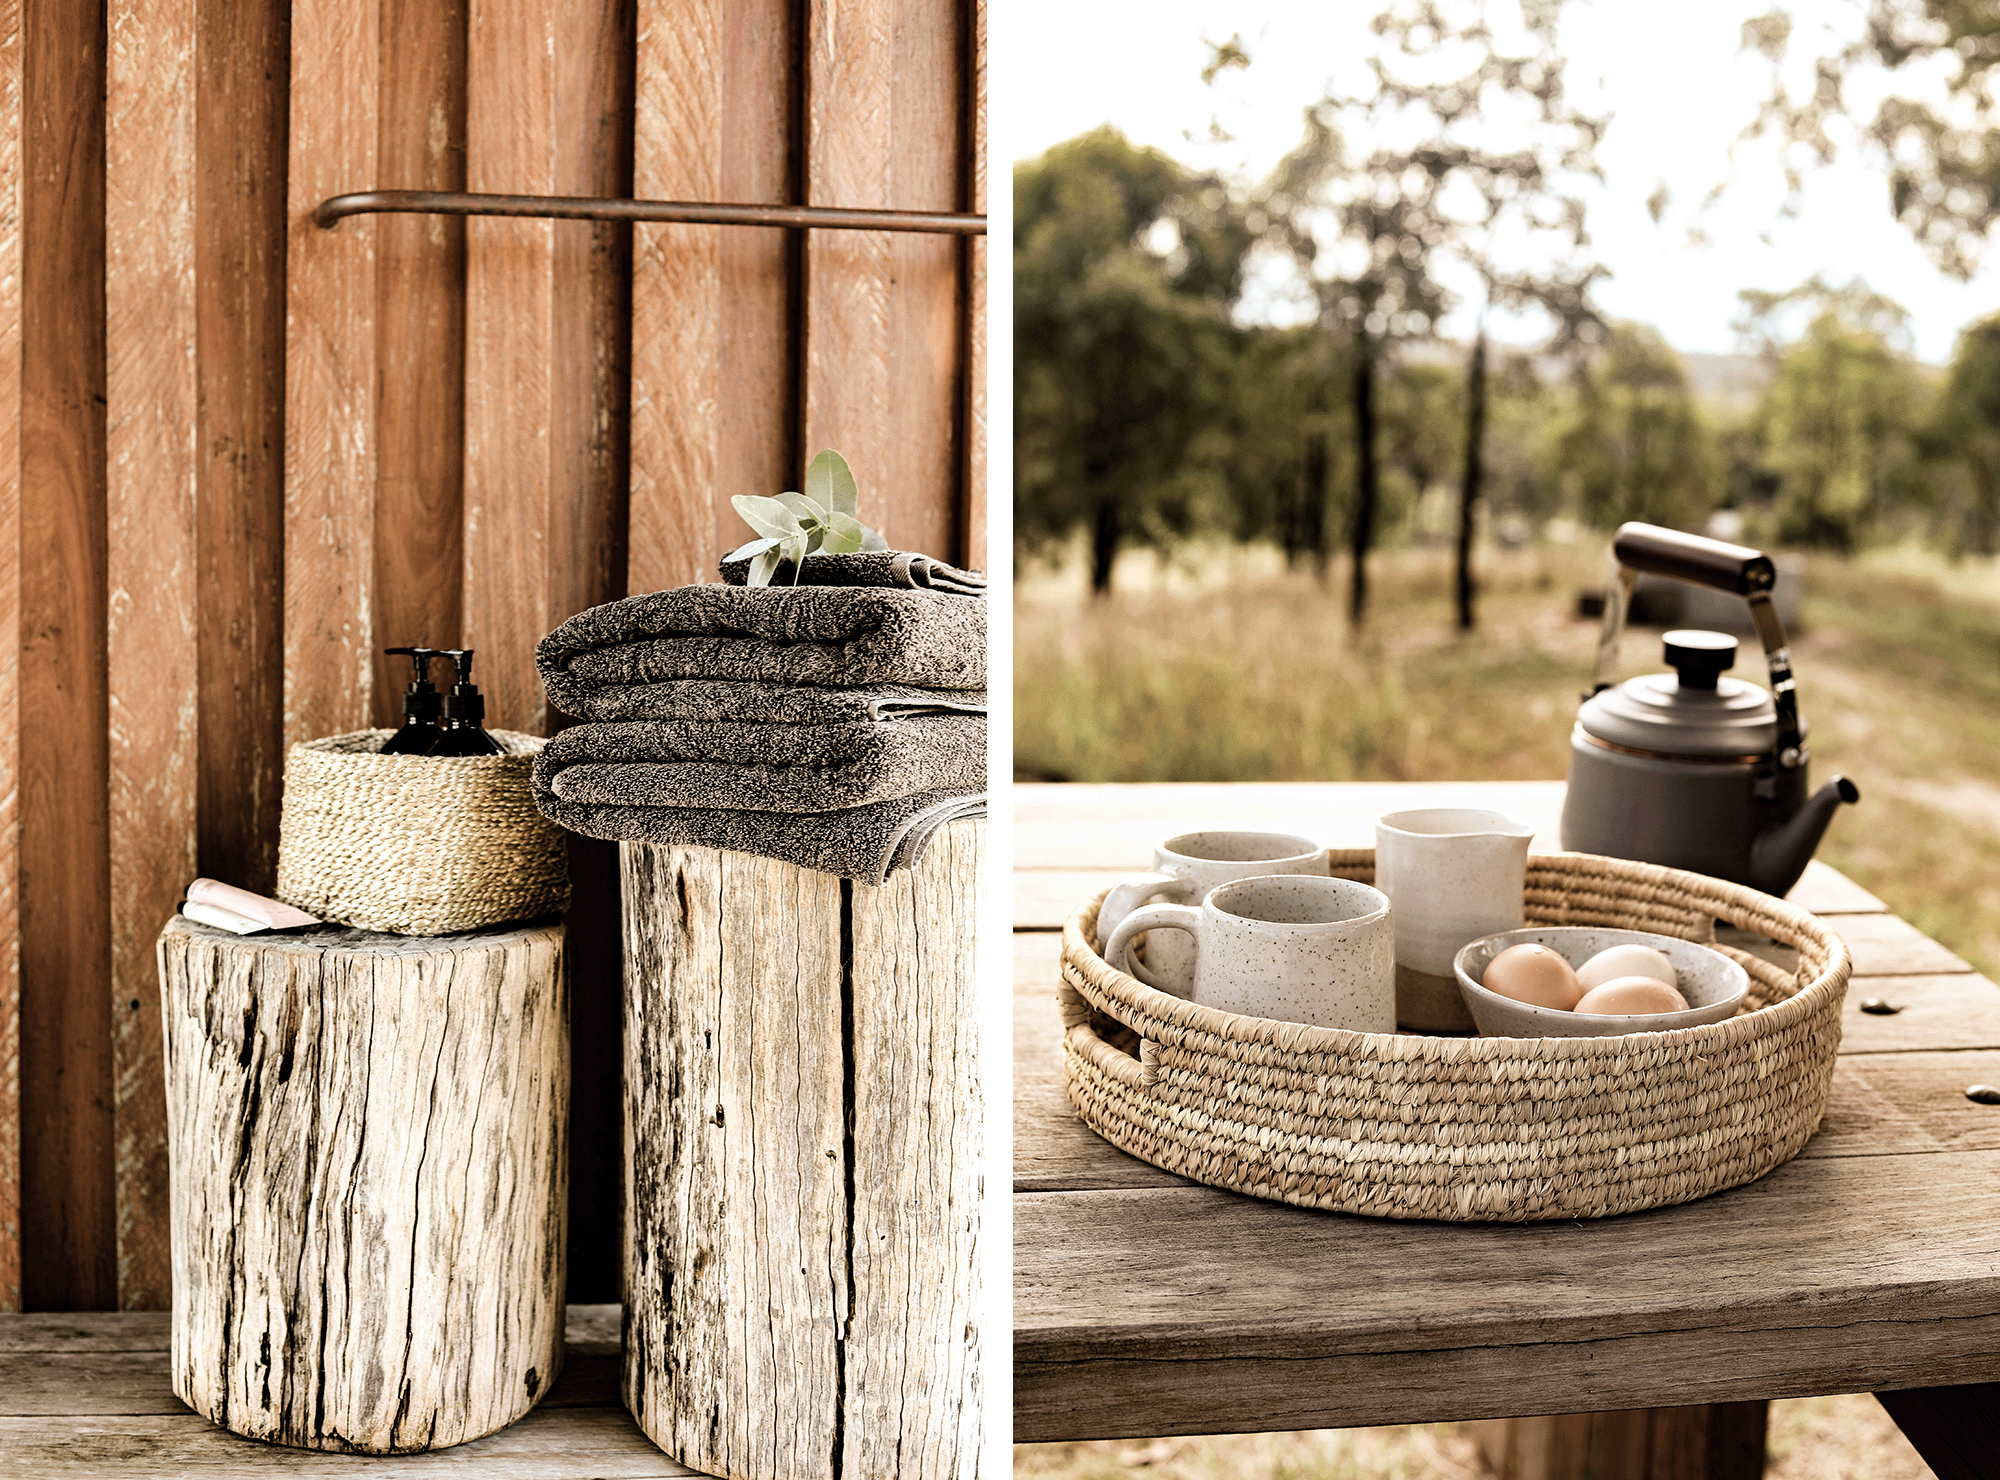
417 845
1473 1129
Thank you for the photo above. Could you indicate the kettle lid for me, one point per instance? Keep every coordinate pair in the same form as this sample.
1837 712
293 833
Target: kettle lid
1693 712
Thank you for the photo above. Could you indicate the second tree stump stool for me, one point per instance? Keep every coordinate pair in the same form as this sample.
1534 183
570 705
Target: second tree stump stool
803 1163
368 1143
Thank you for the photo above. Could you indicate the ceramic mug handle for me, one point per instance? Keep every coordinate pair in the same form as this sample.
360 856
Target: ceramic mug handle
1150 917
1128 894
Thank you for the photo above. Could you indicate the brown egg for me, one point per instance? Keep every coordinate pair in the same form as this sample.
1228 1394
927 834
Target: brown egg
1533 974
1625 995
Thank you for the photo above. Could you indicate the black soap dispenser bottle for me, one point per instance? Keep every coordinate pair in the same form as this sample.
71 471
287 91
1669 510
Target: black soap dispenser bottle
421 706
464 708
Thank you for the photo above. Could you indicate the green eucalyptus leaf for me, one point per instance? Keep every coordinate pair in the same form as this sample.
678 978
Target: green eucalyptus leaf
755 547
830 483
803 508
796 550
766 515
844 535
870 540
764 566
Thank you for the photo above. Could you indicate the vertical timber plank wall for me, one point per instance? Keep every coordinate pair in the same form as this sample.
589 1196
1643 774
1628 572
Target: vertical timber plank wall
10 655
348 476
885 129
153 660
714 344
68 1216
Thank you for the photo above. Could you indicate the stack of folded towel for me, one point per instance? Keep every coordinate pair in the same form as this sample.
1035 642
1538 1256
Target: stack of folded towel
835 724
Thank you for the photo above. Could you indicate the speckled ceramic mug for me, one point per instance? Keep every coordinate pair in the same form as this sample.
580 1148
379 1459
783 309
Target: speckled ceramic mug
1295 947
1453 875
1185 867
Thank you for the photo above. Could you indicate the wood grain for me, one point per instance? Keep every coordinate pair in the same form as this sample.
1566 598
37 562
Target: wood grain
972 532
1708 1441
737 1260
154 658
368 1139
885 127
1128 1322
714 345
419 324
10 657
331 375
912 1373
68 1233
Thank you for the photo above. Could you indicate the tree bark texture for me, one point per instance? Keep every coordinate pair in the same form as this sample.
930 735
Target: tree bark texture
1361 533
803 1163
1468 493
368 1144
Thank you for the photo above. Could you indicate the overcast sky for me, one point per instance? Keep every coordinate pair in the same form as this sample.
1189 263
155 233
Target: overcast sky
1678 89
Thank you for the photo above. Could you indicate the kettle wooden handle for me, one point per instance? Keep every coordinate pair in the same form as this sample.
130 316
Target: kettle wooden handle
1736 569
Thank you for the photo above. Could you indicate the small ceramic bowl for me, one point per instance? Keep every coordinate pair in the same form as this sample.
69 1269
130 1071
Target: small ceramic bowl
1713 984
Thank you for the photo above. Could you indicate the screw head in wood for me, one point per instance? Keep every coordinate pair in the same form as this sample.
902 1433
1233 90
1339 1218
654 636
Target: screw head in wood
1985 1094
1880 1008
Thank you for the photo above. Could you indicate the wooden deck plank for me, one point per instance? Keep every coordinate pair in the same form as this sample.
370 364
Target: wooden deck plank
1191 1310
10 672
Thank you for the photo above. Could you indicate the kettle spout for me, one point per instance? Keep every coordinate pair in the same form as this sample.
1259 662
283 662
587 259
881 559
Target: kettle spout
1783 850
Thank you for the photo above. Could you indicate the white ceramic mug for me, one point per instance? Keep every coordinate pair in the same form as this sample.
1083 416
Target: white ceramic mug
1293 947
1185 868
1453 874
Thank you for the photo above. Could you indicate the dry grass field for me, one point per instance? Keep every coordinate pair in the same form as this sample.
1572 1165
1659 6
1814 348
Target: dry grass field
1229 667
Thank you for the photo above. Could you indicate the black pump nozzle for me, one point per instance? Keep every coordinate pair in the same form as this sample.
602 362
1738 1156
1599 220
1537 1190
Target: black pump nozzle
464 708
420 706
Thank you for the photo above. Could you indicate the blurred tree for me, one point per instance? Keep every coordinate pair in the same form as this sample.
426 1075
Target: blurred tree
1943 156
1634 446
1835 428
1966 431
1422 411
1124 266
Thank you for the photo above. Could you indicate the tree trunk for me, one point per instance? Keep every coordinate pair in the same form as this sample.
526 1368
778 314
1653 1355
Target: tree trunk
1106 528
803 1134
1362 530
367 1137
1468 495
1314 492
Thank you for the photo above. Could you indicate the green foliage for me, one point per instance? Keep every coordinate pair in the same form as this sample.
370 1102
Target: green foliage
1835 430
1124 266
795 526
1634 446
1964 442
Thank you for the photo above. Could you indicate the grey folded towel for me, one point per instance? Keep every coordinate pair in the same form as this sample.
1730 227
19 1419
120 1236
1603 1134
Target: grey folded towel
825 636
870 568
866 844
772 703
762 768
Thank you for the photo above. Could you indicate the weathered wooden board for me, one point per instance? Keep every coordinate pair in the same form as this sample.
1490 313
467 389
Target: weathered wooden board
1182 1311
368 1138
153 658
736 1245
973 529
11 1108
1705 1441
885 125
714 346
332 380
913 1373
68 1214
419 344
1955 1429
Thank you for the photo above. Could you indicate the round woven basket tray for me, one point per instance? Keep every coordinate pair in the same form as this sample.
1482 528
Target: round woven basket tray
1399 1125
413 844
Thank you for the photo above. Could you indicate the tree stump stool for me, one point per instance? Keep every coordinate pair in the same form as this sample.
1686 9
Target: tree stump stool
367 1136
803 1163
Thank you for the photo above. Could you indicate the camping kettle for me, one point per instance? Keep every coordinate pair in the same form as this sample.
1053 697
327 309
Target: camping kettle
1692 769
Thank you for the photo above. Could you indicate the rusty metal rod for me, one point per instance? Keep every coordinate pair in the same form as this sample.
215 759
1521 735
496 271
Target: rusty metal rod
328 213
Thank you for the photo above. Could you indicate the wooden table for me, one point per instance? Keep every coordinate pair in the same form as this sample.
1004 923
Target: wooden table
88 1395
1146 1304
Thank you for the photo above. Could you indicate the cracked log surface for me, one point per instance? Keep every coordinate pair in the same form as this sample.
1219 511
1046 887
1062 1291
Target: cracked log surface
803 1155
368 1149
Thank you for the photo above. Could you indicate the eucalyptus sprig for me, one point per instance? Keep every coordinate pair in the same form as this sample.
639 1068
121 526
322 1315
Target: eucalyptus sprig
793 526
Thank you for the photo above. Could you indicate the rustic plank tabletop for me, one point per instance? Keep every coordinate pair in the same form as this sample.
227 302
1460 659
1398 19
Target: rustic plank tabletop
1145 1304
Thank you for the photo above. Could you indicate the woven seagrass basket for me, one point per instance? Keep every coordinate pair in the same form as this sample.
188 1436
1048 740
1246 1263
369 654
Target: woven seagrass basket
417 845
1473 1129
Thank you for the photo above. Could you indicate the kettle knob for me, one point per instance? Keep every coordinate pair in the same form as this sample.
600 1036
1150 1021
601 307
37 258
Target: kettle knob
1700 658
